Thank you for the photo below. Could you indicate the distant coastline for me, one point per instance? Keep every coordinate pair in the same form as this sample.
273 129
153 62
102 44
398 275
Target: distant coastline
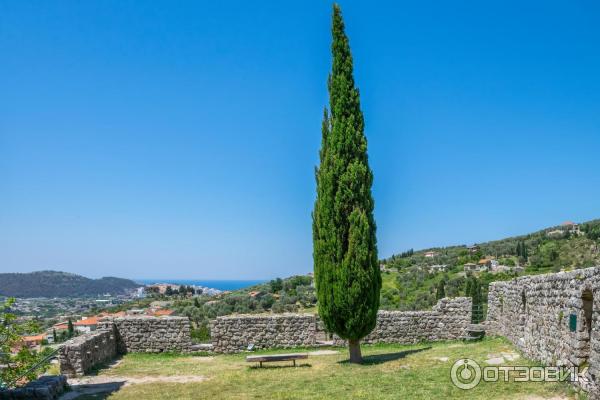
214 284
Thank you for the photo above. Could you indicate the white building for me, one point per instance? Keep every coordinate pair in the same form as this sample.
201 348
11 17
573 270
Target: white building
471 267
86 324
438 268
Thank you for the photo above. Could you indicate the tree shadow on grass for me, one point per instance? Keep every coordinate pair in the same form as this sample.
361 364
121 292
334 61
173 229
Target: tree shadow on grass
93 391
375 359
258 367
109 364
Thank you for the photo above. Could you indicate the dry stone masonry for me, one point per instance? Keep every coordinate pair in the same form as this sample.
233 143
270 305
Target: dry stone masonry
448 320
150 334
138 334
81 354
231 334
44 388
552 318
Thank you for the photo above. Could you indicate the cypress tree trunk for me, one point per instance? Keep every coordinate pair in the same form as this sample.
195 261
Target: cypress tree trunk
347 275
355 354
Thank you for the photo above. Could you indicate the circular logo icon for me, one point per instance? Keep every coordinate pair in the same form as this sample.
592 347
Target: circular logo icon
465 374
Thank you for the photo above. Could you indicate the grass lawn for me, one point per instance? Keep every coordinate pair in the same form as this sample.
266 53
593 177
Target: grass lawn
390 372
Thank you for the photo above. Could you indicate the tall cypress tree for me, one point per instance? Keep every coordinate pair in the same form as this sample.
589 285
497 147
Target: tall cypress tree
347 274
440 291
70 328
474 292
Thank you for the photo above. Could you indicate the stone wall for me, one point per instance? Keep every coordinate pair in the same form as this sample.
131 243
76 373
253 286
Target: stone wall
535 313
448 320
232 334
80 355
136 334
48 387
143 334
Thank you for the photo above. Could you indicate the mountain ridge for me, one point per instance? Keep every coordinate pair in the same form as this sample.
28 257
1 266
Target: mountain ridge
50 283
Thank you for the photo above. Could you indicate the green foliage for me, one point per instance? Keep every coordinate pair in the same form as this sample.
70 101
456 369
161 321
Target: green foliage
441 291
407 253
278 296
521 251
537 252
70 328
507 261
201 333
276 285
345 250
473 290
592 230
16 358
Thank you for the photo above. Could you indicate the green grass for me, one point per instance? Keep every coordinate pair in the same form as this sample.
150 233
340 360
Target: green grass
390 372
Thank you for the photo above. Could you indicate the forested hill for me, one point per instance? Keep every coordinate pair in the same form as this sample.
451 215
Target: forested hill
566 246
60 284
412 280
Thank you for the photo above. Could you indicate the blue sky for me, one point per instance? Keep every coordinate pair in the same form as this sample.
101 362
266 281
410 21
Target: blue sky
178 139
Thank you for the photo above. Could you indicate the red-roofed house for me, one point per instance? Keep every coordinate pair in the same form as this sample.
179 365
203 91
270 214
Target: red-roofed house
62 326
34 341
86 324
162 313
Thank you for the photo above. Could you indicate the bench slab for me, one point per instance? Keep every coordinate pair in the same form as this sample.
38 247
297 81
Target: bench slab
277 357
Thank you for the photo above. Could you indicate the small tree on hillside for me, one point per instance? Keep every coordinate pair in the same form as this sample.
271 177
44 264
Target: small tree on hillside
440 292
474 292
347 276
70 328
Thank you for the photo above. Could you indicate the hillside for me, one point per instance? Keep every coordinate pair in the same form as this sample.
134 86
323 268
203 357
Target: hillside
412 278
60 284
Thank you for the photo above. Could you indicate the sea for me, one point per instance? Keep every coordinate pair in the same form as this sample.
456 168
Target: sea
214 284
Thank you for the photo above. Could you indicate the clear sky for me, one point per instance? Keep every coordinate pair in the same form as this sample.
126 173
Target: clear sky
179 139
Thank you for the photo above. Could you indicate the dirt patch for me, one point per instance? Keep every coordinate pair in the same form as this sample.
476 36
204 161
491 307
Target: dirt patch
323 353
134 380
202 359
104 385
510 356
498 359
